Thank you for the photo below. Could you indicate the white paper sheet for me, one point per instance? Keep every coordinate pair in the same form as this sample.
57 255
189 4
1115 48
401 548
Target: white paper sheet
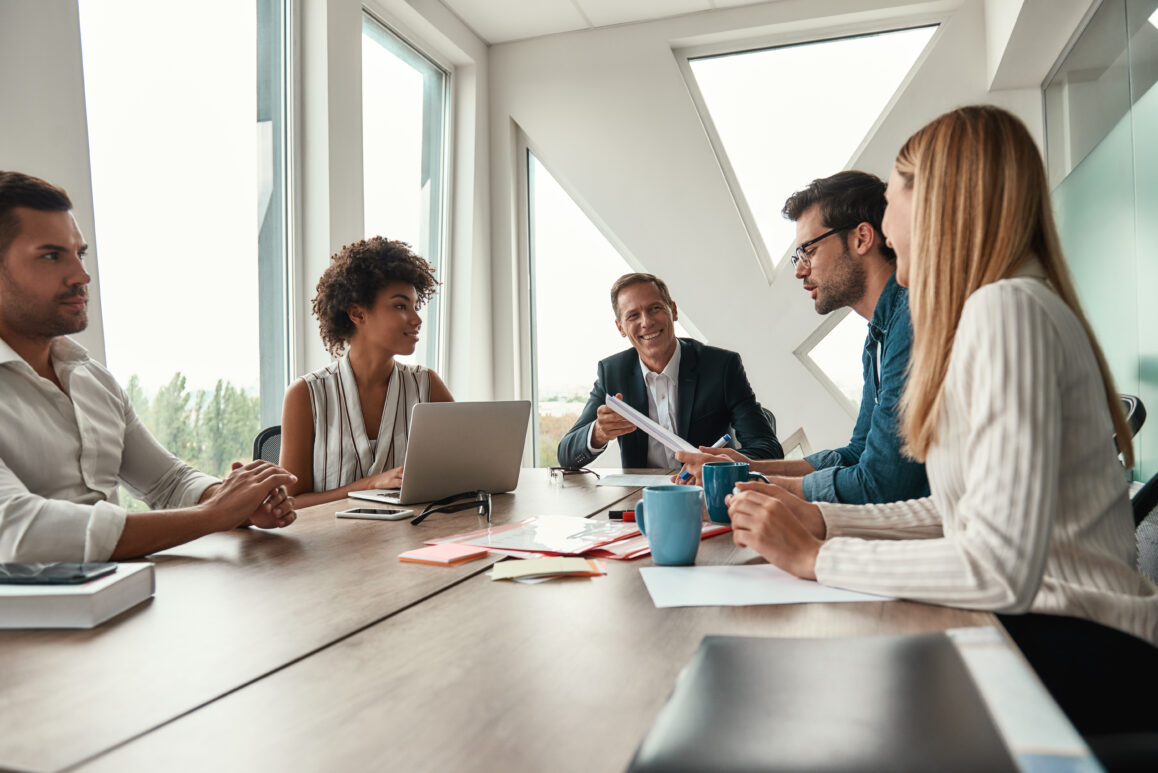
665 436
635 480
738 586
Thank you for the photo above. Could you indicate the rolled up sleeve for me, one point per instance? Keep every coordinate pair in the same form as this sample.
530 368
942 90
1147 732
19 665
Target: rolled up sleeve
157 476
33 528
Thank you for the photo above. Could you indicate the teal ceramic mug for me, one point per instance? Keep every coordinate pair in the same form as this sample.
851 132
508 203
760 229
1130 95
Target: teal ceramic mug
670 517
719 480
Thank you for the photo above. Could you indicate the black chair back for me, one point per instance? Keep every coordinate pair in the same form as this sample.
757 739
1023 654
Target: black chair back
1135 412
1145 504
267 444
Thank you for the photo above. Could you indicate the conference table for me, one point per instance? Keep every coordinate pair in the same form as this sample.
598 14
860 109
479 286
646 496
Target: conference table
314 648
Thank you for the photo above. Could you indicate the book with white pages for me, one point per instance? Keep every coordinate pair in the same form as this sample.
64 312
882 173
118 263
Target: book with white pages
84 605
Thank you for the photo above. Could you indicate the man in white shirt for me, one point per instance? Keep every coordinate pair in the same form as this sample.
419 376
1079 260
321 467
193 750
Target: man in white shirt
698 392
68 434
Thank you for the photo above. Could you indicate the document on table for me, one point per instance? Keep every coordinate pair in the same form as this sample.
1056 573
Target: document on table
635 480
738 586
665 436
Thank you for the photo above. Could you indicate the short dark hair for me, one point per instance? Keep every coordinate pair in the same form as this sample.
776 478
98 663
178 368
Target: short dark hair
356 275
627 280
21 190
846 199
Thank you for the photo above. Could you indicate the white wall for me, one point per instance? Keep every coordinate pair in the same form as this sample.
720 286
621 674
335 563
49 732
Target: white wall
42 120
609 113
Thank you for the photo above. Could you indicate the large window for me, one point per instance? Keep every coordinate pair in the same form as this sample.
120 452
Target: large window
186 125
404 106
785 116
572 325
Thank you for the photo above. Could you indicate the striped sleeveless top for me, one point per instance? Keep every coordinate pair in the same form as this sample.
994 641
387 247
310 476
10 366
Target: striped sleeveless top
343 451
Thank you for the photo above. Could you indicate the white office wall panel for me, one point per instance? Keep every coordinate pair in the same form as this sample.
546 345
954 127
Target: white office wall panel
43 131
498 21
605 12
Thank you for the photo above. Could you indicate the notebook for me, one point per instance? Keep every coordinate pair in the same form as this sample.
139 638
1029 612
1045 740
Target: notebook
889 703
457 447
83 605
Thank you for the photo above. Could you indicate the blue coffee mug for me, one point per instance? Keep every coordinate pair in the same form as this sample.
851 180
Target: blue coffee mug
671 517
719 480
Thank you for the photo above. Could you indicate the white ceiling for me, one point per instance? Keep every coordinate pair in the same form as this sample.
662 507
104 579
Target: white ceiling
501 21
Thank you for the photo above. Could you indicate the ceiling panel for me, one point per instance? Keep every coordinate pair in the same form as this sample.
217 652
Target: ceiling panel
605 12
499 21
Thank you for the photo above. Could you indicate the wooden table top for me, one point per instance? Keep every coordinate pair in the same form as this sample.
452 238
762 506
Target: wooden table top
563 675
230 609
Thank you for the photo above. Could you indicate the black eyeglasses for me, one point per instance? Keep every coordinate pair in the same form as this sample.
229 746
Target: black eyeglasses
451 504
558 473
799 255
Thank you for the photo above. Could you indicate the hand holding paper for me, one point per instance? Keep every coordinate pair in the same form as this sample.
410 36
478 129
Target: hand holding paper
665 436
608 426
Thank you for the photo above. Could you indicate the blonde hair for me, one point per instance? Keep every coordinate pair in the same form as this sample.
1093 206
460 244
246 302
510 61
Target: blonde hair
981 211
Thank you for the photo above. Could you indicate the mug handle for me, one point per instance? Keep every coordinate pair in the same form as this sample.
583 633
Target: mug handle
759 475
639 517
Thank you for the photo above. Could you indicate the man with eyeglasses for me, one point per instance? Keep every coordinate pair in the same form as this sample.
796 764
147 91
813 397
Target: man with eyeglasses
842 259
70 434
696 391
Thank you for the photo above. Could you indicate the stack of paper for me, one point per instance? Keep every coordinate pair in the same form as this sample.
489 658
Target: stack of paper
559 535
548 568
638 547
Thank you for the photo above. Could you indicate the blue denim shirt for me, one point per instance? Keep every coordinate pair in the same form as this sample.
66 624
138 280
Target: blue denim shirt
871 468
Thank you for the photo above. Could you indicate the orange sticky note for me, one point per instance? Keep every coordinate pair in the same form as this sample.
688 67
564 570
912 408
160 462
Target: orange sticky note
446 554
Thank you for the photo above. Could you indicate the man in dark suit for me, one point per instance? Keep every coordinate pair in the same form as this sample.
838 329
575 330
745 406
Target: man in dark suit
699 392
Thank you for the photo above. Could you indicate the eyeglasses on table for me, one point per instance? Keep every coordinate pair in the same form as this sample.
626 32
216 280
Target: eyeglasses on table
558 474
456 502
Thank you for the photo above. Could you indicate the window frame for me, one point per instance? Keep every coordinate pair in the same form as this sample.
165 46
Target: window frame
685 53
438 232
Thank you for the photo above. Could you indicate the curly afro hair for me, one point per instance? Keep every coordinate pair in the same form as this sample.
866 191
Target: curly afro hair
356 275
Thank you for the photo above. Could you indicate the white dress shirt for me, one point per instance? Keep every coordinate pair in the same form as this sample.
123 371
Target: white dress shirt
662 407
62 454
1029 507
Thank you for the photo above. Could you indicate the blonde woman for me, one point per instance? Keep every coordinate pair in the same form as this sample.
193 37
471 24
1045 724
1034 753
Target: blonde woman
1010 404
345 426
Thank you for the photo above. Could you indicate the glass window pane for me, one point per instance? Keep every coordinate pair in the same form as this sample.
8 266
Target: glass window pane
1090 92
788 115
403 109
838 355
572 269
176 160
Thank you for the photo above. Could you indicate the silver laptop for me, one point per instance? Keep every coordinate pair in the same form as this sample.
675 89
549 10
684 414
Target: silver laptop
456 447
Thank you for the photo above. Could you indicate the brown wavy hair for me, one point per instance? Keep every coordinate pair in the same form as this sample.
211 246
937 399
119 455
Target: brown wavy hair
981 211
356 275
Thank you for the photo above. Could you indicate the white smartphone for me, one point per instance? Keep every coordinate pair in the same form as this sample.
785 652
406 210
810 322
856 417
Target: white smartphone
376 513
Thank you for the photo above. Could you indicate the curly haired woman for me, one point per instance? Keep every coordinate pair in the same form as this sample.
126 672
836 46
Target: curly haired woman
344 427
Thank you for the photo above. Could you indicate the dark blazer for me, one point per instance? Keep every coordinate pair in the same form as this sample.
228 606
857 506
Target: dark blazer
714 397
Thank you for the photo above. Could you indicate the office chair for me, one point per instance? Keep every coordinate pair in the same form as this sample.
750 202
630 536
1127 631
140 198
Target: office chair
1145 504
732 430
1135 412
267 444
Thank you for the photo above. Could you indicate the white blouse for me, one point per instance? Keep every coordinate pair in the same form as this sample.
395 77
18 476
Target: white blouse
1029 508
343 450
